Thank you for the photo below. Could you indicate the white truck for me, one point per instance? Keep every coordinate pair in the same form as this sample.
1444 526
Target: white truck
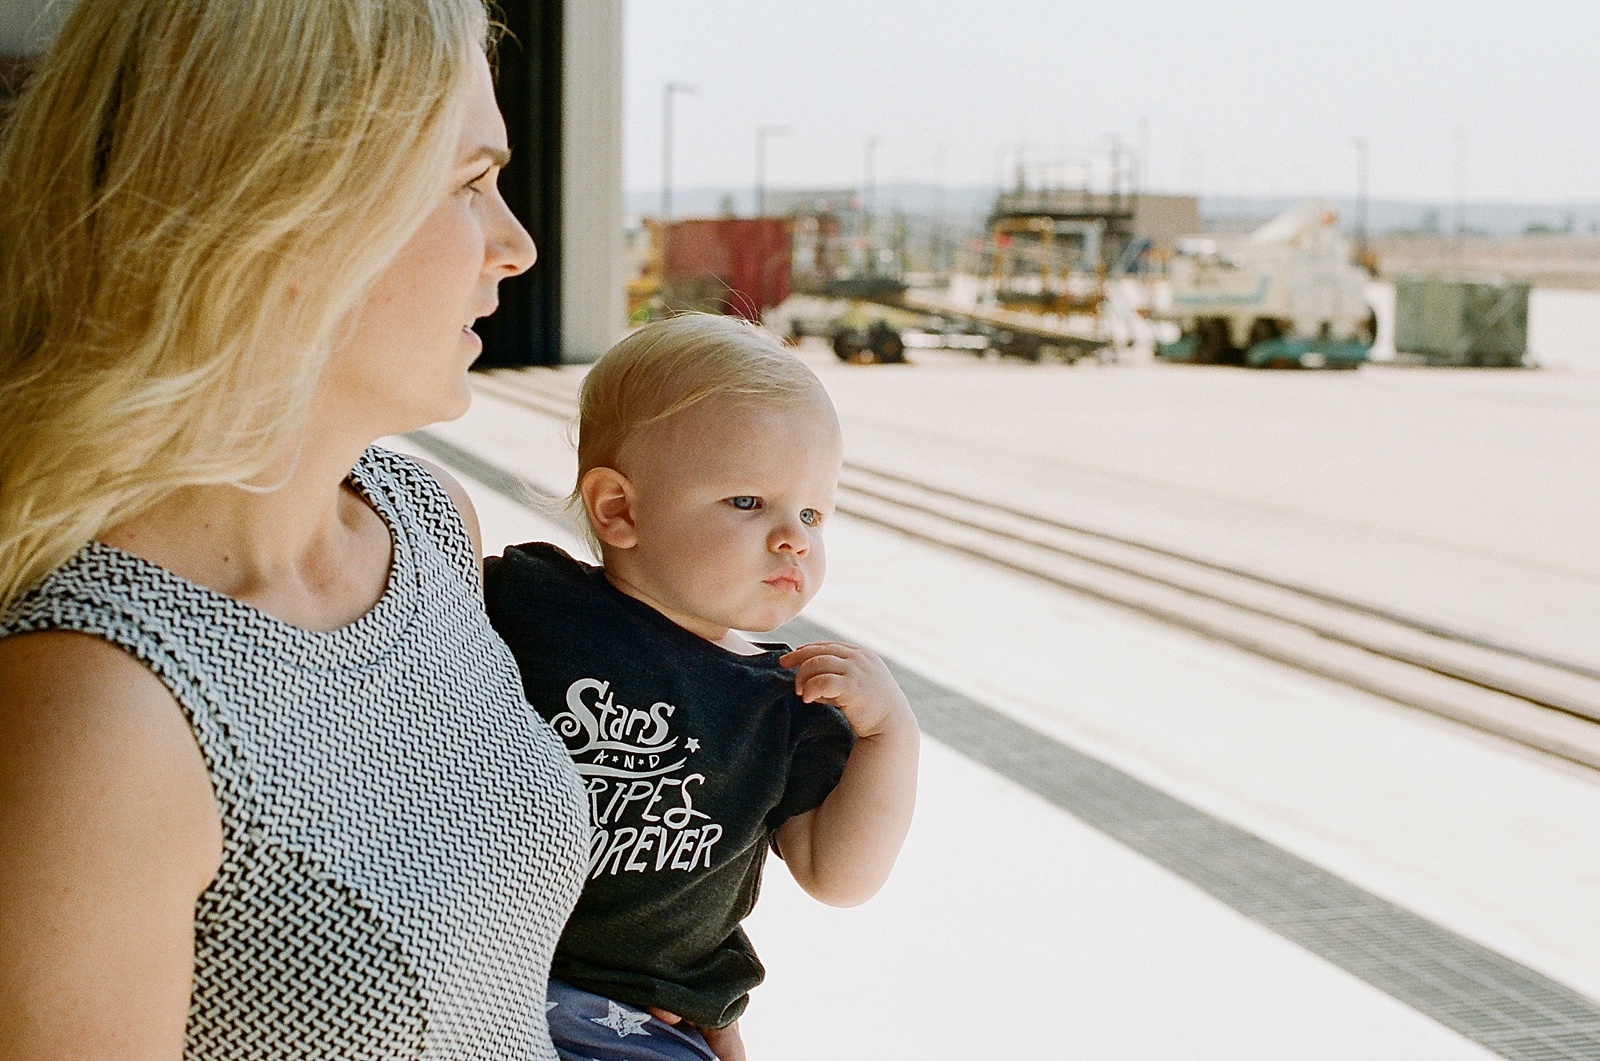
1288 295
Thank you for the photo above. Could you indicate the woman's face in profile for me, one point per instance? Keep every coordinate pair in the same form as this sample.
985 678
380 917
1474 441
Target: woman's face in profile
404 364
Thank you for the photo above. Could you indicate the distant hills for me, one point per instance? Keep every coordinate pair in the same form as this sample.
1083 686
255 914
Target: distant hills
969 204
1393 215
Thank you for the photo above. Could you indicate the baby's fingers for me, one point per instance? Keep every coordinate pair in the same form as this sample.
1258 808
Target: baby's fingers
816 665
825 687
816 648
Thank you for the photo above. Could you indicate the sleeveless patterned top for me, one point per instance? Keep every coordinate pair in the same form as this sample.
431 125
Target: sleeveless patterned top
403 837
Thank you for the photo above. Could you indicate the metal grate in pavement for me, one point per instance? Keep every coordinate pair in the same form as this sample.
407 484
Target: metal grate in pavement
1486 997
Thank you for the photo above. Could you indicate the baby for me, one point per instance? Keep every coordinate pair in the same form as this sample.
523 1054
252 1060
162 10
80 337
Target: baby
708 457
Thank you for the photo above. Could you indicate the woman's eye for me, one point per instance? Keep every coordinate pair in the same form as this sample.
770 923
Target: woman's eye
745 503
810 517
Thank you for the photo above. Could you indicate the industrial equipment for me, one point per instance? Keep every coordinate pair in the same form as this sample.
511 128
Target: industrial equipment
736 266
1040 276
1462 320
1287 295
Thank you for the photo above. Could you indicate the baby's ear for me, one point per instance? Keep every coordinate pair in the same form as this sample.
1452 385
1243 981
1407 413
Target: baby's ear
608 499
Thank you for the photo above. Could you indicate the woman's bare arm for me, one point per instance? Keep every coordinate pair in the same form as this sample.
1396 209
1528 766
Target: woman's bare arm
109 832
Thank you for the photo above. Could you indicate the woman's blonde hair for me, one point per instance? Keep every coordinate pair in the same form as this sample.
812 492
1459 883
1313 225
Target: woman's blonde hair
194 197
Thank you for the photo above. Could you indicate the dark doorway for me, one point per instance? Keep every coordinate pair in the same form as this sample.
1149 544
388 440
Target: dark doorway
527 328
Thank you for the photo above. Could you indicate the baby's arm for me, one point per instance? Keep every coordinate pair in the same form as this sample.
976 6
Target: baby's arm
842 852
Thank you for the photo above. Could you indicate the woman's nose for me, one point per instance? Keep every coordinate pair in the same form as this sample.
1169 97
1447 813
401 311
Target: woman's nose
511 250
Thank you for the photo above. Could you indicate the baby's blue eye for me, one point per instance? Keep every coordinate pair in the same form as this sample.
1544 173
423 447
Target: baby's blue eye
810 517
745 503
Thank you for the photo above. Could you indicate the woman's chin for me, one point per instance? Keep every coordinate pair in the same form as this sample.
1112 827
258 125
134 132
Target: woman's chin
449 404
461 400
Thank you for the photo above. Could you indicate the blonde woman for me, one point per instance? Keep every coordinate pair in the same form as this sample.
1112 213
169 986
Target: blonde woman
268 784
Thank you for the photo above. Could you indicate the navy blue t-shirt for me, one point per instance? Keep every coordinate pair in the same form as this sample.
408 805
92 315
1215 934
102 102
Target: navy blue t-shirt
692 757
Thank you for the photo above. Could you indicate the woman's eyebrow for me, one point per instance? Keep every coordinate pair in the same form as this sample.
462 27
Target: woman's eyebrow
499 156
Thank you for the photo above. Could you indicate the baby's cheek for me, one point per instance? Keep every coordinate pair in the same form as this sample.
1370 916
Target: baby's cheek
818 567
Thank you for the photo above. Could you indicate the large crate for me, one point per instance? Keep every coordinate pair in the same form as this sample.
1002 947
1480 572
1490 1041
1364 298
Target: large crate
1457 320
737 266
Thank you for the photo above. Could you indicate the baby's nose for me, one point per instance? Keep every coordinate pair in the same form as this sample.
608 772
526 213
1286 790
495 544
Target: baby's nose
790 536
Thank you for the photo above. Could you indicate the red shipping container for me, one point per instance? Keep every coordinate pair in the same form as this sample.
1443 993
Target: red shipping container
733 265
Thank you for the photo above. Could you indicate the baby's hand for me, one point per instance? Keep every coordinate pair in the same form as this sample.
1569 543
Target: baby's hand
726 1043
852 679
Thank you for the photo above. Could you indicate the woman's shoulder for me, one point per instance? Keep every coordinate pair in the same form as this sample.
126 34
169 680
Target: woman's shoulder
82 719
459 497
390 472
54 682
35 662
101 786
417 496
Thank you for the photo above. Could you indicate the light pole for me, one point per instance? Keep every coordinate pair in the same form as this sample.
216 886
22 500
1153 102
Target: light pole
1143 183
938 211
1361 198
672 87
761 163
870 183
869 193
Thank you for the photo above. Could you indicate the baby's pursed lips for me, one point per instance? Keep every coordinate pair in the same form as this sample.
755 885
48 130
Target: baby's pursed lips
791 578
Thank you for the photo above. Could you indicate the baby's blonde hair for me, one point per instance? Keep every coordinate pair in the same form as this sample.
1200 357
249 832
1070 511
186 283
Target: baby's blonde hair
672 365
194 197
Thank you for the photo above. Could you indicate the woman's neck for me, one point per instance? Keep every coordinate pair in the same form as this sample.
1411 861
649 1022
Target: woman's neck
310 552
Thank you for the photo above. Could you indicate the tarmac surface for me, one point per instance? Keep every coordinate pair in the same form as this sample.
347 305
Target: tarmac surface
1013 928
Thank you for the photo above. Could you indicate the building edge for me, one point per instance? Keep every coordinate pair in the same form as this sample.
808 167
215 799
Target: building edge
593 275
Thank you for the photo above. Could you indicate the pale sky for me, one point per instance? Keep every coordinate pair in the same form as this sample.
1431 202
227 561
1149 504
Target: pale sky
1255 97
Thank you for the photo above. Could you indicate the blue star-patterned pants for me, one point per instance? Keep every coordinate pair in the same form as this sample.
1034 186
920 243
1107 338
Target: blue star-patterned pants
590 1027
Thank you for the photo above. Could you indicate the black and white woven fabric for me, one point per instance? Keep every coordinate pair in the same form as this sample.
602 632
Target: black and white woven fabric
403 836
